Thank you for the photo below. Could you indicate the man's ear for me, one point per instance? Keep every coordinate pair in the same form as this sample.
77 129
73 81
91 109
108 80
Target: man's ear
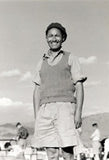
63 39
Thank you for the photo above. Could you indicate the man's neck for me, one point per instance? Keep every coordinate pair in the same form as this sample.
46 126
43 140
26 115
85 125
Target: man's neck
54 53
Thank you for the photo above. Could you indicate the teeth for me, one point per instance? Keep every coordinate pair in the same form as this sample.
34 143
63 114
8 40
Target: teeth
54 42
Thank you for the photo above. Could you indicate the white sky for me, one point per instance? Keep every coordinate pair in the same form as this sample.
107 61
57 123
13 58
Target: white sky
22 43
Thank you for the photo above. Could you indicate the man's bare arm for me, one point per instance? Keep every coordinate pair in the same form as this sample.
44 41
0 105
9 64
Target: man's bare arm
36 99
79 104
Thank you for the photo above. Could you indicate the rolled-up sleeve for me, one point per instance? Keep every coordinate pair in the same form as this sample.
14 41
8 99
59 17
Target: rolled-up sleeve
76 71
36 77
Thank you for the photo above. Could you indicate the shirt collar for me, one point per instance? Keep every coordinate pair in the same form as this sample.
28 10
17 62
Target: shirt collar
47 55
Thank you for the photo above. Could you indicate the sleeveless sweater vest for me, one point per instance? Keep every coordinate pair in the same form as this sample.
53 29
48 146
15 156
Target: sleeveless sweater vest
56 82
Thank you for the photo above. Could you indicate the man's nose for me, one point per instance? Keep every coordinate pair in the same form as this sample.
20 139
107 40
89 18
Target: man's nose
54 38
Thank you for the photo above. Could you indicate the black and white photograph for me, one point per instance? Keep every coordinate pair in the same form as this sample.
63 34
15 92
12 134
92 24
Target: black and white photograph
54 80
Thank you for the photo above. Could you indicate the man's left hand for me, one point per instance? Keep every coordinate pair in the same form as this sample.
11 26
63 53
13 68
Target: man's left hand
78 120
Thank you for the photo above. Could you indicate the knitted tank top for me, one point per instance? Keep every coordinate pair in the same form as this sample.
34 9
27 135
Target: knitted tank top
56 82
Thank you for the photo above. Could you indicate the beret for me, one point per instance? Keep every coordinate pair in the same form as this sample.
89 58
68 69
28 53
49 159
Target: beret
58 26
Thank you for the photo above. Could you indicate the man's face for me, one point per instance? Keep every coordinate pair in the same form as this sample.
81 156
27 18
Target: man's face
54 39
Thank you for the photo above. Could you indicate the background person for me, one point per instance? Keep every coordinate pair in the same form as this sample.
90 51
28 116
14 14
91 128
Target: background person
22 135
95 137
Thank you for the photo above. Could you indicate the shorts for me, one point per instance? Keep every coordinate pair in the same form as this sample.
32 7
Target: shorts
54 126
96 147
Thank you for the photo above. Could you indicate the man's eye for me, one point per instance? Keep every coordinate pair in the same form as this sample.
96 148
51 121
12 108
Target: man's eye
50 35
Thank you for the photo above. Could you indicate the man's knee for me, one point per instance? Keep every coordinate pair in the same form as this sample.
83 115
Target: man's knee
67 153
52 153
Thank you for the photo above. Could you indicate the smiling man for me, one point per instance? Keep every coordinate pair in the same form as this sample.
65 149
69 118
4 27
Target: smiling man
57 111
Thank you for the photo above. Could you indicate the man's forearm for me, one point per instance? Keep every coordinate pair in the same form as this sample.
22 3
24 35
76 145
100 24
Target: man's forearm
79 104
79 97
36 99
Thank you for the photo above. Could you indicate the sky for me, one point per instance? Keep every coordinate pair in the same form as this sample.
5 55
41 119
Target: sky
22 44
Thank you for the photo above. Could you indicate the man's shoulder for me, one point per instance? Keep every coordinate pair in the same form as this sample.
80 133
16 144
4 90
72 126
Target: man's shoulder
71 57
66 52
70 54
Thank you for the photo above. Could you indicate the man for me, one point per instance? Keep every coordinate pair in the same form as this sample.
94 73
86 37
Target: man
57 77
22 135
95 141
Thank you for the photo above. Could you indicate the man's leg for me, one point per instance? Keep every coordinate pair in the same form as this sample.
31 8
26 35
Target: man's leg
52 153
68 153
105 155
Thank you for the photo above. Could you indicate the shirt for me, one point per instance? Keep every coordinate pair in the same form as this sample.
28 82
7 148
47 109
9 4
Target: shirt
96 135
73 61
22 133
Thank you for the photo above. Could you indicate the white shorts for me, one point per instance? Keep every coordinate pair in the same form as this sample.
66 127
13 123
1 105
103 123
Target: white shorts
55 126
